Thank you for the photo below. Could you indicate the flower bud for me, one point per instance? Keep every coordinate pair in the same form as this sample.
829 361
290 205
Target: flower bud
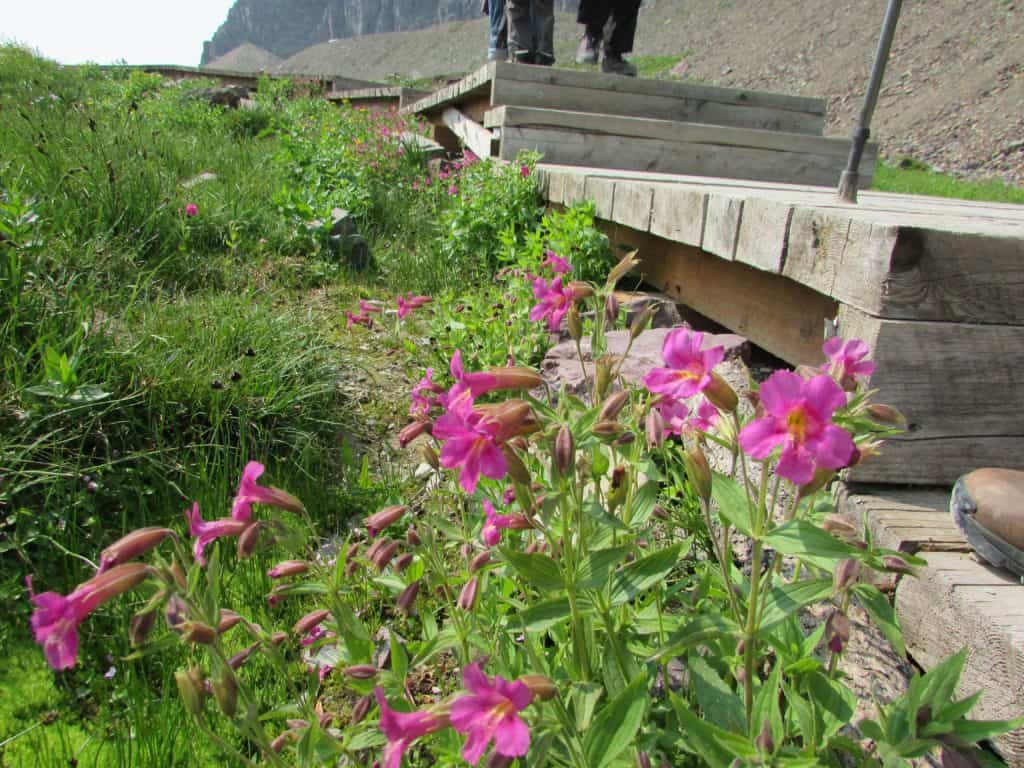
411 431
516 377
642 760
627 438
175 612
621 269
541 686
198 633
140 626
660 512
654 427
407 600
278 637
840 527
613 406
765 741
248 540
565 450
580 290
611 310
228 619
288 568
619 487
191 688
131 546
360 710
602 375
498 760
402 562
242 656
608 429
837 631
178 574
846 574
386 517
721 395
384 555
574 323
897 565
279 741
478 562
886 414
430 457
467 597
699 472
821 478
310 620
225 690
411 537
516 468
642 320
362 672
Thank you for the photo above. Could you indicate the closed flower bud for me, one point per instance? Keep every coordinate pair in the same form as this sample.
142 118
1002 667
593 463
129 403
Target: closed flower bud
288 568
225 690
602 375
613 406
402 562
699 472
248 541
362 672
278 637
721 395
175 612
654 428
361 709
621 269
611 310
837 631
516 468
411 431
516 377
846 574
642 320
228 619
619 487
411 537
407 600
541 686
198 633
480 561
383 556
386 517
278 743
581 290
140 626
765 741
467 597
660 512
191 688
642 760
627 438
565 450
574 323
131 546
242 656
822 477
430 456
840 527
608 429
178 574
897 565
310 620
886 414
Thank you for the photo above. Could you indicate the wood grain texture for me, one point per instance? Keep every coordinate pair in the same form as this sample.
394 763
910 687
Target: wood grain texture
679 214
957 602
474 84
763 233
906 520
722 225
783 317
472 134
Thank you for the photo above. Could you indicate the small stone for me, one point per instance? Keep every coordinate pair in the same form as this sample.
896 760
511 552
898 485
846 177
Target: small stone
987 506
343 223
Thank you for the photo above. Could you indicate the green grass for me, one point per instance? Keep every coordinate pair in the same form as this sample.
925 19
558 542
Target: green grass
922 181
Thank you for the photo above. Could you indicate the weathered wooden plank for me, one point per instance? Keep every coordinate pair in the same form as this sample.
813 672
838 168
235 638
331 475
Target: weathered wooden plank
667 130
956 602
391 95
638 153
472 134
906 460
904 520
632 206
475 84
602 192
763 231
782 316
678 214
722 225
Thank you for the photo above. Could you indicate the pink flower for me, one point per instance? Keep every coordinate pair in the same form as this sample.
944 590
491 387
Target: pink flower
705 418
799 418
473 442
361 319
250 492
555 301
409 302
191 210
491 533
207 532
691 366
469 157
477 382
453 190
403 728
557 263
415 186
422 403
524 171
367 307
56 617
846 361
491 711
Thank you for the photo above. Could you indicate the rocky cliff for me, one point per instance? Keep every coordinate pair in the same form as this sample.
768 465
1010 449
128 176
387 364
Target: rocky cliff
286 26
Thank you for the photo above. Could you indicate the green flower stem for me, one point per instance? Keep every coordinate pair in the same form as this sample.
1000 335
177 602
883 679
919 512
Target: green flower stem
753 596
724 564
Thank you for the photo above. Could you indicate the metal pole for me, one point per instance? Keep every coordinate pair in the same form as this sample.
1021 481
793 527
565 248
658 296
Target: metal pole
851 177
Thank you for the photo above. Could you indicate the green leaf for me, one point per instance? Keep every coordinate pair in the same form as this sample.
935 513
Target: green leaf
399 657
597 566
585 697
718 702
616 724
733 503
540 570
702 629
803 714
543 616
784 601
766 707
833 702
883 615
810 543
973 731
643 574
717 747
938 684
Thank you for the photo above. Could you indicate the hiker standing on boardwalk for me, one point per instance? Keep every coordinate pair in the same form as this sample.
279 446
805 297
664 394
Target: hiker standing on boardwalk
611 25
531 31
497 32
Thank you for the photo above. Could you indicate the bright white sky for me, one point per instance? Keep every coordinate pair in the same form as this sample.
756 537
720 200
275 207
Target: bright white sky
106 31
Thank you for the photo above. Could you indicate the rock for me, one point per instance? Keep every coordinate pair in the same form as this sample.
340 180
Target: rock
987 506
354 250
343 223
202 178
667 315
228 96
561 366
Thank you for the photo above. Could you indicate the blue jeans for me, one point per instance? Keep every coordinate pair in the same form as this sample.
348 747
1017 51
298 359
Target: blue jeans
497 41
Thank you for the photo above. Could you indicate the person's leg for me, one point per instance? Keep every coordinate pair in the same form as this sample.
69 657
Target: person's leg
618 38
497 48
592 15
520 31
544 32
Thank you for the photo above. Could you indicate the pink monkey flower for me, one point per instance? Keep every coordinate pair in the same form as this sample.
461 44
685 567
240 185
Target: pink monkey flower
799 418
56 617
368 307
524 171
846 361
558 265
358 319
495 523
476 383
191 210
680 419
491 711
250 492
690 366
206 532
424 395
555 301
453 190
472 442
403 728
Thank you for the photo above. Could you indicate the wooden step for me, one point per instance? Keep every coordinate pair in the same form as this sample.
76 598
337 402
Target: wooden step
377 97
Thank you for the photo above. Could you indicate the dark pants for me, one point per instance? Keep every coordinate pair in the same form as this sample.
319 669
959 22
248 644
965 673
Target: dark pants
531 30
497 38
618 35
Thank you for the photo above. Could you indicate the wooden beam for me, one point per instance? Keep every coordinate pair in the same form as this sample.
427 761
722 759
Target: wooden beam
472 134
906 520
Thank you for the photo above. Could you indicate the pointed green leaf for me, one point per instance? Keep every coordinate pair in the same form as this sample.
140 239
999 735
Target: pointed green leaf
539 570
643 574
733 504
882 614
718 702
717 747
543 616
833 702
596 567
616 724
810 543
702 629
784 601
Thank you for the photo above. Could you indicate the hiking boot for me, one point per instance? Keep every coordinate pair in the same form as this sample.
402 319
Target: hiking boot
614 64
543 59
521 56
587 53
497 54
